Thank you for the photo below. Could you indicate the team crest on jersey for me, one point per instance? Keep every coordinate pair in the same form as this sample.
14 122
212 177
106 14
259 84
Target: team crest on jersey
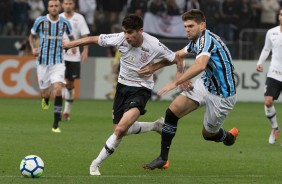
144 57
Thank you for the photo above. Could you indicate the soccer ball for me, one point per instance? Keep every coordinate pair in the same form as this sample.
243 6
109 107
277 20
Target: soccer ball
32 166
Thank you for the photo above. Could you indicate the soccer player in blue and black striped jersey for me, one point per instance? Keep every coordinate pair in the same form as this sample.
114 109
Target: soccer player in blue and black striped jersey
50 56
215 89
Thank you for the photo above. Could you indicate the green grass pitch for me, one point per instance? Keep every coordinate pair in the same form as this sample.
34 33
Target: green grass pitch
26 129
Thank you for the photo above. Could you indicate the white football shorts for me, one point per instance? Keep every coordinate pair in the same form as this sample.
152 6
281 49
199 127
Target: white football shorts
50 74
217 107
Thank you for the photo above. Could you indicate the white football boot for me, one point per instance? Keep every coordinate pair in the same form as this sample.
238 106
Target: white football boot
94 169
273 136
159 125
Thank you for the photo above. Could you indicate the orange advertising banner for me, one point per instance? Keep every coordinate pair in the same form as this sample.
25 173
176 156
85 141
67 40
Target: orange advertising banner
18 78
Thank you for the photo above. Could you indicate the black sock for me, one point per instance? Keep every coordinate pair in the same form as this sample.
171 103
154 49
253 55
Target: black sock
46 100
219 137
58 106
229 139
168 133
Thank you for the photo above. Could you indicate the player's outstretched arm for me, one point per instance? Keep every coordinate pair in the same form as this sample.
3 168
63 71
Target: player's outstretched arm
167 88
198 66
80 42
149 69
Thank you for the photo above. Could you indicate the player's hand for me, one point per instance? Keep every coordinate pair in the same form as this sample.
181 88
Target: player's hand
259 68
115 69
35 52
84 56
187 85
146 71
167 88
66 45
74 50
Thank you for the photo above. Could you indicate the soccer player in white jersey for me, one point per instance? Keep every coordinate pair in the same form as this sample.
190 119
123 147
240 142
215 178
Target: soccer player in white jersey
215 89
137 50
73 56
273 84
50 57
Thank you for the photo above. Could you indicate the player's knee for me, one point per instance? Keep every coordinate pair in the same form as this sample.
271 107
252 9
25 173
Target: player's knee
45 93
170 117
58 91
70 86
268 104
120 131
268 101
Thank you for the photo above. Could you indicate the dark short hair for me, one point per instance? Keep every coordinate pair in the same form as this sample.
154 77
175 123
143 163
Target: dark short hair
132 21
194 14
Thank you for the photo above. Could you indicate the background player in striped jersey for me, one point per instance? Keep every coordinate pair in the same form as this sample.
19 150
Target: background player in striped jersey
50 57
273 84
73 56
215 89
137 49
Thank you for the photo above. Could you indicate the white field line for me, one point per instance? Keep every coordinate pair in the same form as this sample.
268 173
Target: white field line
146 176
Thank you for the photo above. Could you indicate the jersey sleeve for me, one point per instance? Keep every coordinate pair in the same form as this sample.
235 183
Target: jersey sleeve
190 48
164 52
84 30
267 43
266 49
205 45
36 26
115 39
68 28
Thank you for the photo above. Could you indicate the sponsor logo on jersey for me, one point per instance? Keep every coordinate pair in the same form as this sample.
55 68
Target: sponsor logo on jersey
144 49
131 59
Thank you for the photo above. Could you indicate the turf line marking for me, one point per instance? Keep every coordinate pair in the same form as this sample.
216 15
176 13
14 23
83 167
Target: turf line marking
146 176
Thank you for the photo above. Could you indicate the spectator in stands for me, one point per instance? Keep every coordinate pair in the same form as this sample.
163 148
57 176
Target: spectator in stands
45 2
157 7
245 16
88 9
37 8
137 7
6 25
211 10
182 5
193 4
256 11
112 9
229 16
20 16
269 11
175 9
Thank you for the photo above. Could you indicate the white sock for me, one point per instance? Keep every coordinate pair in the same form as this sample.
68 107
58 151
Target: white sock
140 127
271 115
68 100
63 92
112 143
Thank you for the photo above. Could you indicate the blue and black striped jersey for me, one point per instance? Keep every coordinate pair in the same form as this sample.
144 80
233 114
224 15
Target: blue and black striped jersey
218 76
51 36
